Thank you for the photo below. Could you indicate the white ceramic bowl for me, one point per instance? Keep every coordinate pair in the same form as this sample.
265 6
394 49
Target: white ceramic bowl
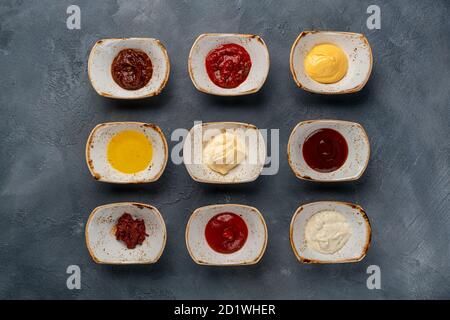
96 153
247 171
105 249
250 253
255 47
103 54
358 151
354 250
359 56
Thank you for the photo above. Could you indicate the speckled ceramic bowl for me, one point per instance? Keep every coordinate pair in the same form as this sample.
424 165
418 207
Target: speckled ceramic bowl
359 56
354 250
255 47
96 153
250 253
358 151
247 171
103 54
105 249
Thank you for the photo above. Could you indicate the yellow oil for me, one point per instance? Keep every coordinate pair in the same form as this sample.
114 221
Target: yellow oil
129 151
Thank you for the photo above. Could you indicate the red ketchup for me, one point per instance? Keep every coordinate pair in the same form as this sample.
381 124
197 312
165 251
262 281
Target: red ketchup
226 232
228 65
325 150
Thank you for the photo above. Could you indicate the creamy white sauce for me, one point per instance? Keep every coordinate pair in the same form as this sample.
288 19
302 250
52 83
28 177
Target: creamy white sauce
327 232
224 152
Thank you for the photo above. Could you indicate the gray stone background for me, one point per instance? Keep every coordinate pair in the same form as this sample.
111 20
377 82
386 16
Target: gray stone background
48 108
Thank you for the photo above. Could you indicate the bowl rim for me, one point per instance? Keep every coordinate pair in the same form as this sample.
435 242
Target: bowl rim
354 206
342 122
155 92
153 209
243 124
196 212
241 93
98 177
351 90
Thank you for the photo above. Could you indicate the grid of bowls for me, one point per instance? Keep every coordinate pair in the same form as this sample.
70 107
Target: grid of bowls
100 239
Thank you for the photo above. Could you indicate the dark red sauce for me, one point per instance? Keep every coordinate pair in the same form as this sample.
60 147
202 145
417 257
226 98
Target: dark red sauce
228 65
132 69
325 150
131 231
226 232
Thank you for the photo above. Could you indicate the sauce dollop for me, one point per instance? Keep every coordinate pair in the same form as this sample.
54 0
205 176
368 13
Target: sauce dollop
129 151
132 69
326 63
228 65
327 232
325 150
226 232
131 231
224 152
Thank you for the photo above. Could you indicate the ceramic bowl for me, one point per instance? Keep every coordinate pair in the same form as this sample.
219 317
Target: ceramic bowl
250 253
255 47
359 56
103 54
358 151
105 249
248 170
354 250
96 153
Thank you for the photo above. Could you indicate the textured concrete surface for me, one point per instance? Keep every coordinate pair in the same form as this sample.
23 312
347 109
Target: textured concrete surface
48 108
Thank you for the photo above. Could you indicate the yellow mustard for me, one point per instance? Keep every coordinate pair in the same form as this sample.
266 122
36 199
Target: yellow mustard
326 63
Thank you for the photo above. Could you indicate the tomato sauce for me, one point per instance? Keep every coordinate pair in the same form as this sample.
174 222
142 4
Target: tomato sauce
228 65
226 232
132 69
325 150
131 231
